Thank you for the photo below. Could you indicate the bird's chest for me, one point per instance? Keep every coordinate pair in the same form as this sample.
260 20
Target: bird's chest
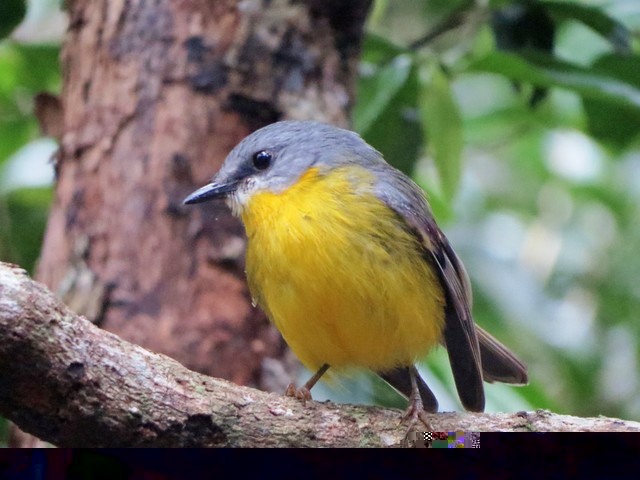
336 270
303 240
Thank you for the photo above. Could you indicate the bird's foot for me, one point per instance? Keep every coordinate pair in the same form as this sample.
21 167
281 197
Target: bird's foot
415 414
303 393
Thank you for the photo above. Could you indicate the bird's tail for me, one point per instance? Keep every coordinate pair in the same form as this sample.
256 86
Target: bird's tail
499 364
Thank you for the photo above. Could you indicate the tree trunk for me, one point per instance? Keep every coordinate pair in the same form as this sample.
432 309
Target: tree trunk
155 95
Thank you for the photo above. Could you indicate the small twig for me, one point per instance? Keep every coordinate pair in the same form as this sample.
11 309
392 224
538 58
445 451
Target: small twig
453 20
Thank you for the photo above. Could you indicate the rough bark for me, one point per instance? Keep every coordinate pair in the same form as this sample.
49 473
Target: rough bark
155 94
73 384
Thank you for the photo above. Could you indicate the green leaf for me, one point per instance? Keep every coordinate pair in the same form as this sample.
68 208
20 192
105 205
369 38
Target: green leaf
394 128
596 19
378 12
379 89
396 132
546 71
442 125
14 133
11 14
616 124
24 215
31 67
380 50
24 71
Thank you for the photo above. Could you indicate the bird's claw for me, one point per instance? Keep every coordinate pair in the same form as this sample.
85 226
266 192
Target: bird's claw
303 394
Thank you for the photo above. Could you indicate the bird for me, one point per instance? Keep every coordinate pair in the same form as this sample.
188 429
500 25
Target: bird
346 259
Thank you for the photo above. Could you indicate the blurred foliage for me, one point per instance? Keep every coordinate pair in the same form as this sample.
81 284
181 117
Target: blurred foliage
25 70
11 14
24 217
521 120
524 119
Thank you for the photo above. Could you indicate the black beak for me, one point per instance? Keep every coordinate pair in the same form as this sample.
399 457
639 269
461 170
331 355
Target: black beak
209 192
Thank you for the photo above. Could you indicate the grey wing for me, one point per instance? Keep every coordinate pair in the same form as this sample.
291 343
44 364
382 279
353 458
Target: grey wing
499 364
460 338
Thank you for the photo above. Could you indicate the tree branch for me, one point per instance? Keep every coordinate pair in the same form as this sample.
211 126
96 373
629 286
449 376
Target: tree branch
455 18
72 384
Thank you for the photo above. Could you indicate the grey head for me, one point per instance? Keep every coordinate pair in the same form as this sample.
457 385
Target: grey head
274 157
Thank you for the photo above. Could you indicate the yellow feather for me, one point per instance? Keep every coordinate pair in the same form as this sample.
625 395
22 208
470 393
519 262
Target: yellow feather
340 274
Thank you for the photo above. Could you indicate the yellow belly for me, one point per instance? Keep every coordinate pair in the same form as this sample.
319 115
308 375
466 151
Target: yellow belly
340 275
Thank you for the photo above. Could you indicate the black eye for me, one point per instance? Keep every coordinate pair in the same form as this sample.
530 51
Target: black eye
262 159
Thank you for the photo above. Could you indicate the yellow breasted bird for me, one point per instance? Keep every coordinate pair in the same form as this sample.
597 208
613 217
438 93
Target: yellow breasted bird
347 261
